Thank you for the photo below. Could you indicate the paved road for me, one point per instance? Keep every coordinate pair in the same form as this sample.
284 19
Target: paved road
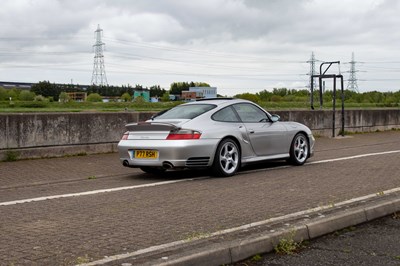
373 243
73 210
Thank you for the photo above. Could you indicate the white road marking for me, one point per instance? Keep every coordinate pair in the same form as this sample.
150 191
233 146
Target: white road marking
109 259
93 192
355 157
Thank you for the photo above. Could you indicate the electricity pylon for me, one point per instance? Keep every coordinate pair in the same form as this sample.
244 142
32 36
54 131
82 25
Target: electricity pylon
312 71
99 71
352 81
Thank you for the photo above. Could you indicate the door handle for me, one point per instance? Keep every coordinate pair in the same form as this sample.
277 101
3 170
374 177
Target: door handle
251 131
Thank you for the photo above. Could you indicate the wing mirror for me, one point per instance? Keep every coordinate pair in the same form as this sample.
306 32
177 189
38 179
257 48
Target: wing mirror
275 118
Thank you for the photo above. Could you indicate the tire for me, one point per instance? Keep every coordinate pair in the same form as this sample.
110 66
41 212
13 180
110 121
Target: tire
299 149
227 159
152 170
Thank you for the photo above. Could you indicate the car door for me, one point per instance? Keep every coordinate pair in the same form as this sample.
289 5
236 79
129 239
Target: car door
267 138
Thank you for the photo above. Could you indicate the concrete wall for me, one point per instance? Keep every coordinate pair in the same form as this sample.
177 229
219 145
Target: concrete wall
37 135
321 122
34 135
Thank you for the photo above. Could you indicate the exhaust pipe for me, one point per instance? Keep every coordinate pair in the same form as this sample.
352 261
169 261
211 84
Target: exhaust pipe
167 165
125 163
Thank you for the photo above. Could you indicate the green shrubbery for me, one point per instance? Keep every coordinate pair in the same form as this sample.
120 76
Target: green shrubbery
41 96
94 97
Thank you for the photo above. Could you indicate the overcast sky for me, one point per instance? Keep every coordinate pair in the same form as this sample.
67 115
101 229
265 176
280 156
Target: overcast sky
235 45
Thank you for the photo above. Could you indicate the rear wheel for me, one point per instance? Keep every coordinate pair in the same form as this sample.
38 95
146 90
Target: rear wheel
227 159
299 149
152 170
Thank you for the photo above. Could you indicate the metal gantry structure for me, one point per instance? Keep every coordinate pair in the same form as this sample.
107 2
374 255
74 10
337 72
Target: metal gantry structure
324 75
99 72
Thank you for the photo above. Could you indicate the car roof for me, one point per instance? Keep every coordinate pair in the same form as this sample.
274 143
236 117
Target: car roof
217 101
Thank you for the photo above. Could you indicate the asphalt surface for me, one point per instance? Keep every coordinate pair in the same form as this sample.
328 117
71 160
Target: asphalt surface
373 243
74 210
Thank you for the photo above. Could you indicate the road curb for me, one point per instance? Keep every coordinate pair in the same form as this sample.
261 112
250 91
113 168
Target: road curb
237 250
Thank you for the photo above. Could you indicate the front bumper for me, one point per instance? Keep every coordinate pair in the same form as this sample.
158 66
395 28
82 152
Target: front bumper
312 143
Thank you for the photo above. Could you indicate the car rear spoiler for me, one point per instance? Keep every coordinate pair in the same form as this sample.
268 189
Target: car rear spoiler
150 126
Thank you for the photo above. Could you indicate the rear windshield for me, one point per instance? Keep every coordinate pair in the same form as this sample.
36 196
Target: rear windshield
189 111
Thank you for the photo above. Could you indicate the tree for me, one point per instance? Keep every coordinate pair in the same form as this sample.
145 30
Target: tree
46 89
94 97
156 91
177 87
26 95
280 91
264 95
126 97
165 97
12 94
64 97
3 94
248 96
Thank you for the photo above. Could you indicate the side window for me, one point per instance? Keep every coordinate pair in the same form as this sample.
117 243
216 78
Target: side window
250 113
225 115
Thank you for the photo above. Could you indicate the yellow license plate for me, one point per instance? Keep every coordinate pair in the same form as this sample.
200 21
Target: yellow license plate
146 154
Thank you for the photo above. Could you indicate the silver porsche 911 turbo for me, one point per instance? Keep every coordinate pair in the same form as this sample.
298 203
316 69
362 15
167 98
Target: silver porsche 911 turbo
222 134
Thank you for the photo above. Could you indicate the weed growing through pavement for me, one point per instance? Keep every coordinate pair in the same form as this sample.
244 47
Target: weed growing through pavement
75 155
256 258
380 193
82 260
345 230
196 236
287 245
11 156
346 250
92 177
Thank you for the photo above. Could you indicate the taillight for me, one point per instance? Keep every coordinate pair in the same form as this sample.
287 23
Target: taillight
183 134
125 136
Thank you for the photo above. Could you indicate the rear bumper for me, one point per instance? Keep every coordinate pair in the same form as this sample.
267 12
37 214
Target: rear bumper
178 153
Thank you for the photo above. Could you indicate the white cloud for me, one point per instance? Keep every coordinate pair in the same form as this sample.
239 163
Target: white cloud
248 44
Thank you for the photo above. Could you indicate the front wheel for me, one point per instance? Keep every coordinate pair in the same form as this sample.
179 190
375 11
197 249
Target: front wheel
299 149
227 159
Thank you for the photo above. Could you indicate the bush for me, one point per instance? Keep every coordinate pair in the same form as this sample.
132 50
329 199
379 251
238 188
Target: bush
3 94
64 97
94 97
39 98
26 95
165 97
126 97
139 100
34 104
276 98
11 156
248 96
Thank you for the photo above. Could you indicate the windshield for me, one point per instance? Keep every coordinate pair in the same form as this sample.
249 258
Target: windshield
189 111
